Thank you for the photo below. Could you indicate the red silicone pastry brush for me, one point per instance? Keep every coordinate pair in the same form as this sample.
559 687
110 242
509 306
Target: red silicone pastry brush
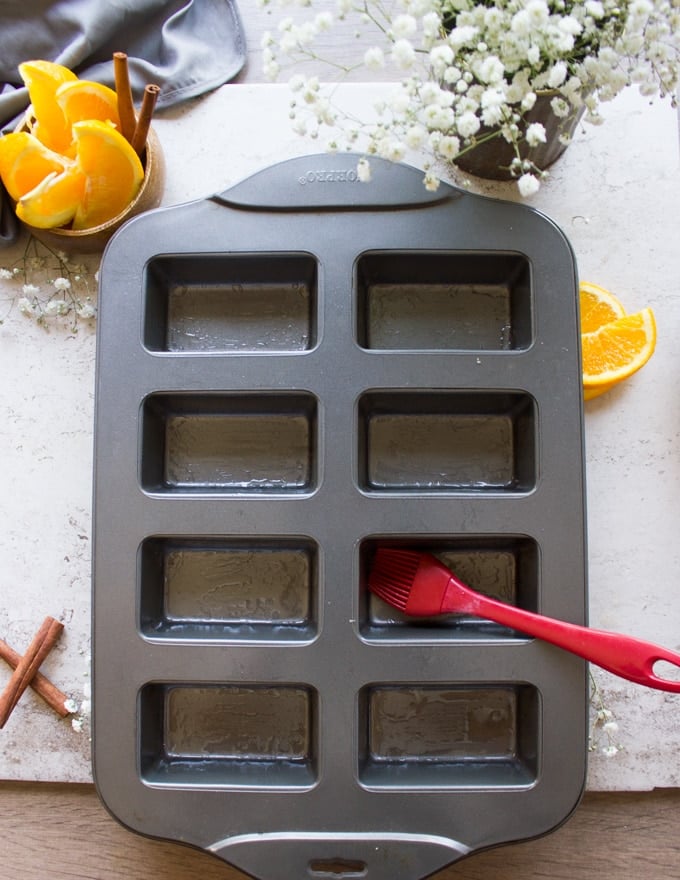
419 585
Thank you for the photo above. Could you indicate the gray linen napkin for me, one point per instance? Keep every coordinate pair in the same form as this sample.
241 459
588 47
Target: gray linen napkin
187 47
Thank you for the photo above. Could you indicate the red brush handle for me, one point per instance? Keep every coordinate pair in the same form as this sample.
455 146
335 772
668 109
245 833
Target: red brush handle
625 656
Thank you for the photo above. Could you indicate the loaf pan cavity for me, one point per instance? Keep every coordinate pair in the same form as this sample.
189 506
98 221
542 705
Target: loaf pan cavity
424 441
229 443
505 567
224 735
424 736
449 301
244 589
236 303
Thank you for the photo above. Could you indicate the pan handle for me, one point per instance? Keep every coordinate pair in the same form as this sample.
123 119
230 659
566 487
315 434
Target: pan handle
339 856
326 181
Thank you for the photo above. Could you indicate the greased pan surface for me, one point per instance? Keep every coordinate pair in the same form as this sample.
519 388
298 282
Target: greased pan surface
290 374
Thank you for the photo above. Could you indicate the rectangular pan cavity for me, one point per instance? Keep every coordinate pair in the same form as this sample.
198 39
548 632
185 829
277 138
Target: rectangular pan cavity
250 589
456 301
505 567
428 442
229 443
254 736
448 736
231 303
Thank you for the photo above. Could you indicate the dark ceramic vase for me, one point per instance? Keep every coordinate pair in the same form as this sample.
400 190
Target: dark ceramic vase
492 158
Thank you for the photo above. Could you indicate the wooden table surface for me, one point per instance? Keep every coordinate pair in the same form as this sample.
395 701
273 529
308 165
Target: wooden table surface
63 831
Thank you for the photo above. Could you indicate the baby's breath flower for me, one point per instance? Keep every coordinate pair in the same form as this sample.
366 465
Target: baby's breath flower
491 70
363 170
441 57
448 147
25 305
55 307
559 107
51 284
528 185
557 74
403 54
323 21
473 63
528 101
431 24
85 310
594 8
415 136
535 134
374 58
468 124
431 181
404 26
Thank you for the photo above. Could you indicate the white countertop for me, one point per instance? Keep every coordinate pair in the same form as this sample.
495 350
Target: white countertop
616 195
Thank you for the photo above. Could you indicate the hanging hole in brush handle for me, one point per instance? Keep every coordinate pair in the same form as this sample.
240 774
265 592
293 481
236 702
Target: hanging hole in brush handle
636 660
666 670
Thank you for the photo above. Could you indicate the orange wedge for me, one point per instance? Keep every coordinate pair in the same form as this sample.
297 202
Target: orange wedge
42 79
24 162
54 201
113 172
598 306
618 349
82 99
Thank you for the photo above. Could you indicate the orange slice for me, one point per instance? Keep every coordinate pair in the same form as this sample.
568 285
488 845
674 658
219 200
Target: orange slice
618 349
112 169
54 201
24 162
42 79
83 99
598 306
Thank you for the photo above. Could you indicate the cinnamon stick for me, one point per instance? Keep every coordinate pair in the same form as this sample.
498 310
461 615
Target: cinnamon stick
50 693
126 107
144 121
41 645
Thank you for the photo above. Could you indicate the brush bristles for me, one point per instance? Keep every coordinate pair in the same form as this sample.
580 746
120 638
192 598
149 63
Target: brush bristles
392 575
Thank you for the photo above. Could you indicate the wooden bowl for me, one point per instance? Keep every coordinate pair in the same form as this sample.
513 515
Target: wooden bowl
94 239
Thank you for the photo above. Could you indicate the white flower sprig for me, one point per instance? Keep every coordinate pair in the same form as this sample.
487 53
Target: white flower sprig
47 286
603 725
471 71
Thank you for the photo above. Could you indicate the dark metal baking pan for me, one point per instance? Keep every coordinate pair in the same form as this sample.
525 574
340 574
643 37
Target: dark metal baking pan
291 374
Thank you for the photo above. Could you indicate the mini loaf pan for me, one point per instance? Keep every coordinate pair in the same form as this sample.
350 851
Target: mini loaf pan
291 374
